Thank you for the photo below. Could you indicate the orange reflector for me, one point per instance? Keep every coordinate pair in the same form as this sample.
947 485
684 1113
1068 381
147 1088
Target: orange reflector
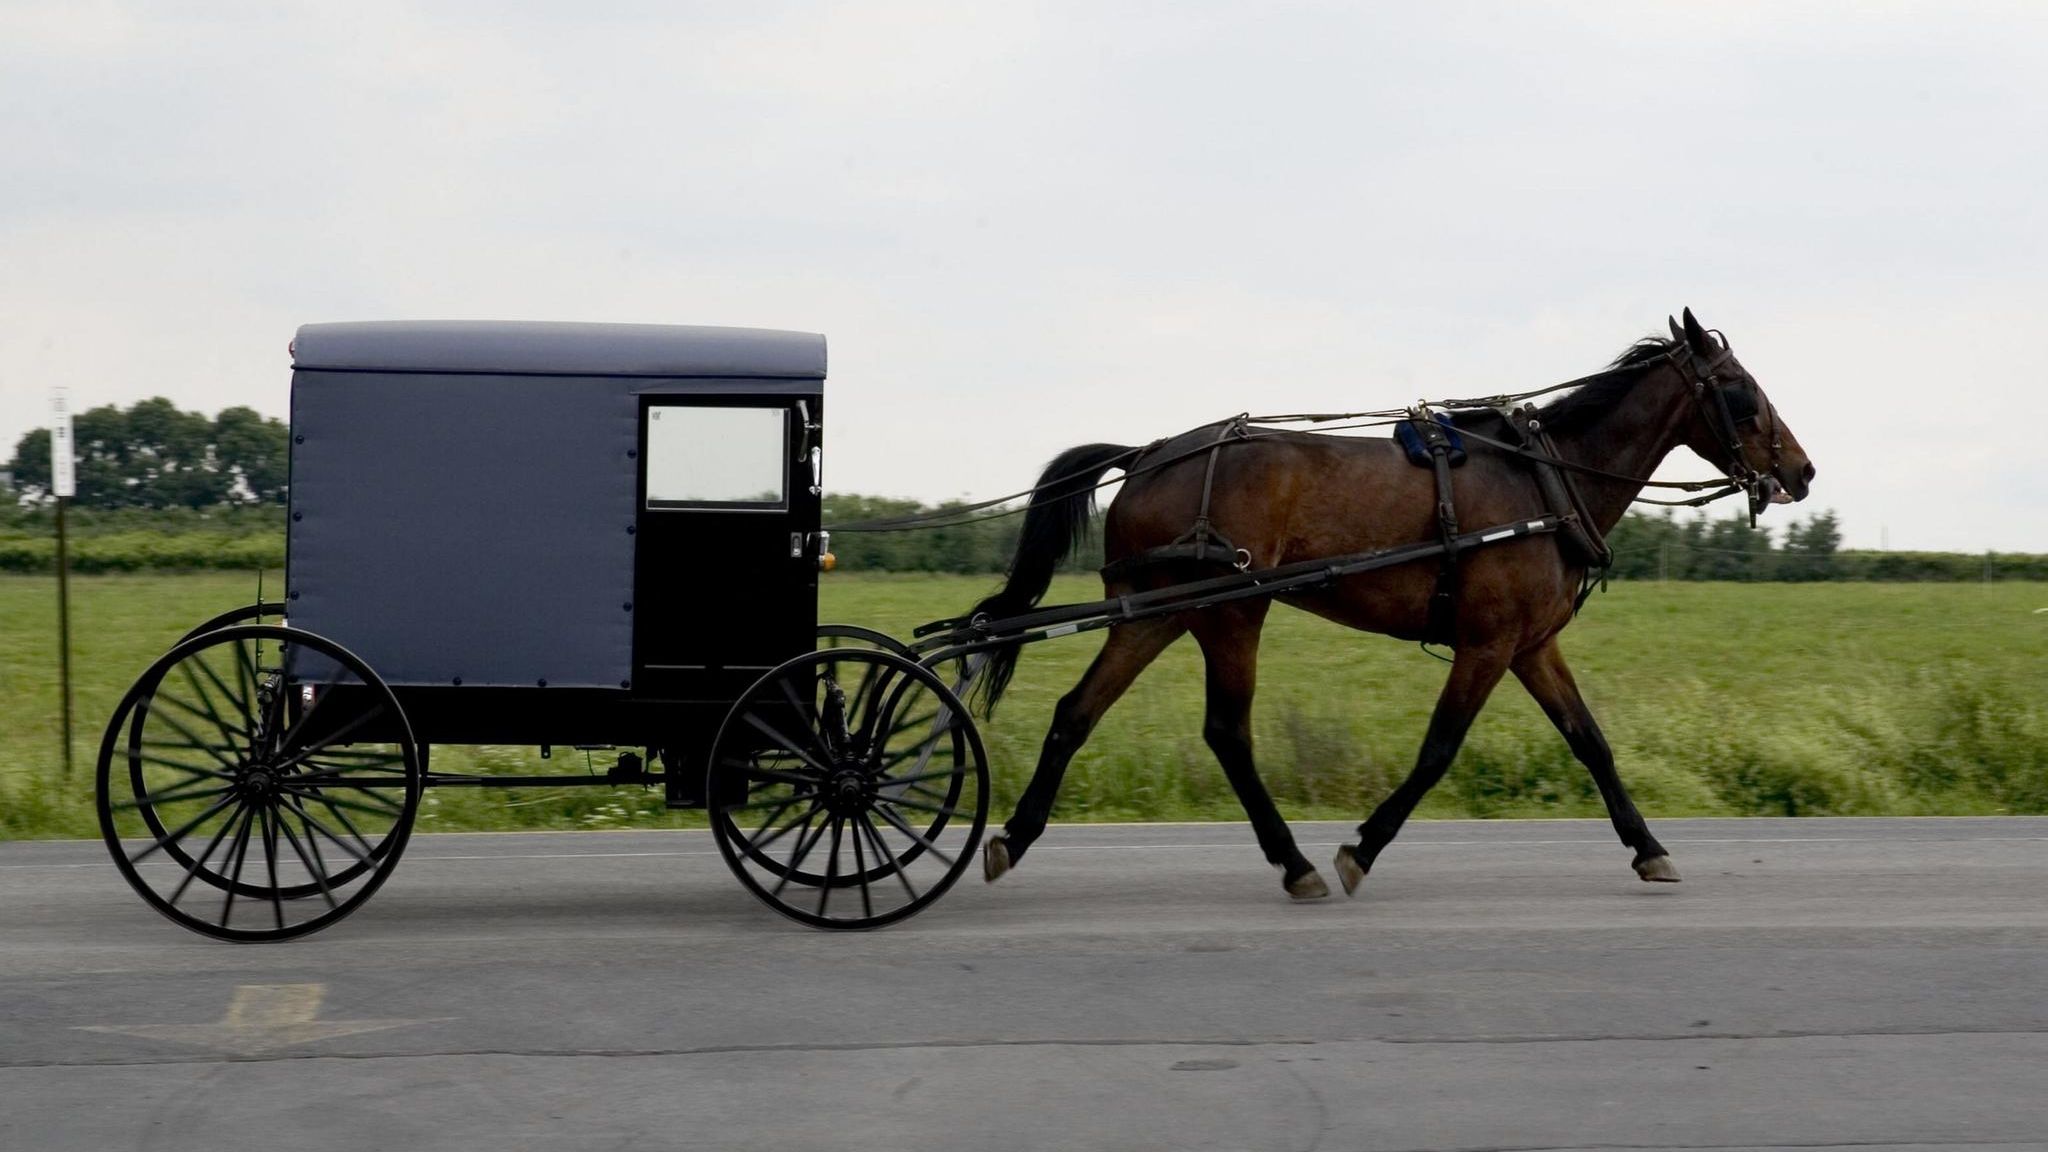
827 562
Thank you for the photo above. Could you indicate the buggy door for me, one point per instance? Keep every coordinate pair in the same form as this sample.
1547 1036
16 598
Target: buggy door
725 569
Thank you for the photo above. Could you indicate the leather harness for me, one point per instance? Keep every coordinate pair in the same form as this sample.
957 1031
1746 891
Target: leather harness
1425 434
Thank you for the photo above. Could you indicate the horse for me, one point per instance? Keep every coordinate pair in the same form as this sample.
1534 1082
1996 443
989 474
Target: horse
1283 496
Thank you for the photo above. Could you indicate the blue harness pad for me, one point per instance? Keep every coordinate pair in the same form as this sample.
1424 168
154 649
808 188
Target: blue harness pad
1418 450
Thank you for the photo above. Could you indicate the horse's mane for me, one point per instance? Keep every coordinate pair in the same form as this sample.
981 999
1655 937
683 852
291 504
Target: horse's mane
1588 402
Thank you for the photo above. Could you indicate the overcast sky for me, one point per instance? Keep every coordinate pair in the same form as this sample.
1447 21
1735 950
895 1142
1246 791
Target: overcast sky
1025 226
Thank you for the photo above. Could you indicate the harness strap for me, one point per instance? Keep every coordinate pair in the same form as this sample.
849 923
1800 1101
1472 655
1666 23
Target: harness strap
1200 543
1560 491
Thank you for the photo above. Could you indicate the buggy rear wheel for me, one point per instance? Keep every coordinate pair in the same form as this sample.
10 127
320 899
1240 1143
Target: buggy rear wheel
848 788
267 764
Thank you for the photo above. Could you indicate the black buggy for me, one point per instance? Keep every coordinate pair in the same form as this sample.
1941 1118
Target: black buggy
566 535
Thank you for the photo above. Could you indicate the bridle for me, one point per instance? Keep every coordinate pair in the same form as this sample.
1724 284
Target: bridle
1719 401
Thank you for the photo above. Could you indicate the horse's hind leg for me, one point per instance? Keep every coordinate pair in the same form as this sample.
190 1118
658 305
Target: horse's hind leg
1230 649
1129 649
1543 672
1474 673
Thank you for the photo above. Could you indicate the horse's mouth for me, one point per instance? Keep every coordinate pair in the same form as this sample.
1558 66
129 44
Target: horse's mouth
1781 497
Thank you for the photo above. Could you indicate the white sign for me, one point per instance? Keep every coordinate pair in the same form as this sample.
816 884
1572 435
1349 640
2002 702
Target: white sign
63 478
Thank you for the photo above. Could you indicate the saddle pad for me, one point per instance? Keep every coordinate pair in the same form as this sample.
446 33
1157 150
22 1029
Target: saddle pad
1418 450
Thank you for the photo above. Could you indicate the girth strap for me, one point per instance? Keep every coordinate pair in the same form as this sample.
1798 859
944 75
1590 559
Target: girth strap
1442 627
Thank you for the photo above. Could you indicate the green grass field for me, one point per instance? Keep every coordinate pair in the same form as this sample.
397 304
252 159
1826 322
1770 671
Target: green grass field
1719 699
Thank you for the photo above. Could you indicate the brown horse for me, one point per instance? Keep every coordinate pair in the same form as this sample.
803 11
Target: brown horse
1288 496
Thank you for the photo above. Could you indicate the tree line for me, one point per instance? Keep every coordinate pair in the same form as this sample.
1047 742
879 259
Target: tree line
151 455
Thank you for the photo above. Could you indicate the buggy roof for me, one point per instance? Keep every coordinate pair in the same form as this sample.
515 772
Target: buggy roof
551 348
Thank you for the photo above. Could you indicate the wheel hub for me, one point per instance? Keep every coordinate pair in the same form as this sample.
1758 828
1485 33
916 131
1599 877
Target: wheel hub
846 792
259 785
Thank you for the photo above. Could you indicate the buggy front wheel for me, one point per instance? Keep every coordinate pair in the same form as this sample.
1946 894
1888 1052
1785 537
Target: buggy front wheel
848 788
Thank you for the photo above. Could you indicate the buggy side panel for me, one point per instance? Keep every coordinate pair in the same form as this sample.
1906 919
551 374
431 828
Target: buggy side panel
467 527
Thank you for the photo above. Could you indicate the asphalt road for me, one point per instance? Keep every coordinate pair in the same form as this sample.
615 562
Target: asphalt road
1494 986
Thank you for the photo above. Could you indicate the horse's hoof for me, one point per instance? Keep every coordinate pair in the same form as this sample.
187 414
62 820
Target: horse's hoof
1349 873
1308 886
995 859
1657 870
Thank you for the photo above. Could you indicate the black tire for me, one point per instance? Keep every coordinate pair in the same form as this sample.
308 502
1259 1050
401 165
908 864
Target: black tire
849 740
256 730
262 612
855 636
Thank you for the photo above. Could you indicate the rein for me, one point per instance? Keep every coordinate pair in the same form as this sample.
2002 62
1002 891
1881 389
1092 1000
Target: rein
1703 377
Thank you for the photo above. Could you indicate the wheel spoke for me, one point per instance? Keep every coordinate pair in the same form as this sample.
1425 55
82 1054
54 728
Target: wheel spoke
317 871
170 795
882 809
860 873
784 742
789 778
760 847
232 696
195 822
333 738
270 863
241 854
337 803
340 813
882 853
248 679
831 866
893 781
314 825
192 871
898 801
807 715
178 766
778 805
903 726
229 736
192 741
804 842
866 694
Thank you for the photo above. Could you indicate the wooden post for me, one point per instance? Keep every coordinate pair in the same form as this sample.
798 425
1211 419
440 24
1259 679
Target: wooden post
64 629
63 486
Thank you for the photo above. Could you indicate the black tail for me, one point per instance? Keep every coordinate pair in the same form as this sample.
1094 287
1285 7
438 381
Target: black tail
1056 520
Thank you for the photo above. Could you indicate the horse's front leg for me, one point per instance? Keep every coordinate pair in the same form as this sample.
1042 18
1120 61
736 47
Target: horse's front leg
1543 672
1129 649
1474 673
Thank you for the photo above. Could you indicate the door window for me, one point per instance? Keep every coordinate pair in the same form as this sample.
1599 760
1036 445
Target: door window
732 458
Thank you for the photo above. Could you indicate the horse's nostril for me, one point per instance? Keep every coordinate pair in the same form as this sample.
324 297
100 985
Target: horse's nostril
1806 473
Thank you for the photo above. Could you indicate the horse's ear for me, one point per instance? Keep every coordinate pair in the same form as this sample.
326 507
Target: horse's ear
1697 336
1677 333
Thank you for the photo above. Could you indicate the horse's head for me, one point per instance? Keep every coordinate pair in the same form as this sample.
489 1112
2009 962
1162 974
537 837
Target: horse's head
1735 427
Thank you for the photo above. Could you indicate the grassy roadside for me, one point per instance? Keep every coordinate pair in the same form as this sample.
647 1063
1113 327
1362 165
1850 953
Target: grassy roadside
1719 699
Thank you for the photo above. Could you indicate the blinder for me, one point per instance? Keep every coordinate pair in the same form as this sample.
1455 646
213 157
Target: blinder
1727 405
1741 402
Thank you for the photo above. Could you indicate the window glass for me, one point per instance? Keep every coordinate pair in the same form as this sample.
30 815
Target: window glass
723 457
